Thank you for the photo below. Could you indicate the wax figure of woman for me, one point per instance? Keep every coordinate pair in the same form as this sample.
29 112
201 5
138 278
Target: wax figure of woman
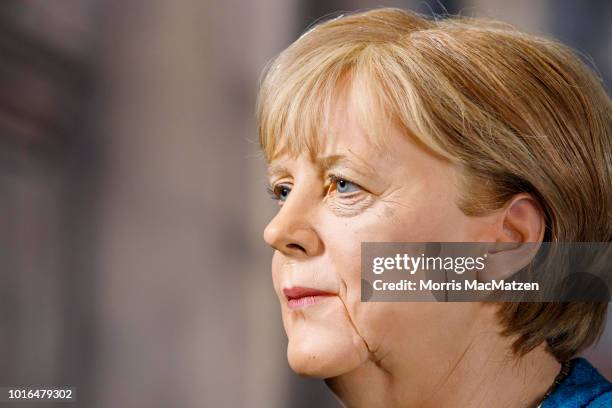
386 126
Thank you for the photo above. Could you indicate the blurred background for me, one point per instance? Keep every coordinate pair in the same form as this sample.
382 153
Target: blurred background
132 193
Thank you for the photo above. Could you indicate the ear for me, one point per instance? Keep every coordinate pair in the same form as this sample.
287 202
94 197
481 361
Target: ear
518 230
521 220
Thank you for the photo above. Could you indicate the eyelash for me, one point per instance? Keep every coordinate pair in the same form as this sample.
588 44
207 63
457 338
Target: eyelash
271 193
332 178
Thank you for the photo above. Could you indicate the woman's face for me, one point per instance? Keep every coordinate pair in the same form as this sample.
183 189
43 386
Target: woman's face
353 192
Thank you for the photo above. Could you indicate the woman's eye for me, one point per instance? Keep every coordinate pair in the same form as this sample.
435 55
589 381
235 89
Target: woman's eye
345 186
281 192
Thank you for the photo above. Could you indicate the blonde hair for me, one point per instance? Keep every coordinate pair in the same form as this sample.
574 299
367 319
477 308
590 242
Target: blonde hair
517 113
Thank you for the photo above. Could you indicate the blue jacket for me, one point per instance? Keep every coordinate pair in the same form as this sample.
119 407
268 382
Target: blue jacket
583 387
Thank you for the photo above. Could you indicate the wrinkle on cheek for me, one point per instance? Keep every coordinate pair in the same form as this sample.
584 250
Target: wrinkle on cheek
375 353
404 195
368 353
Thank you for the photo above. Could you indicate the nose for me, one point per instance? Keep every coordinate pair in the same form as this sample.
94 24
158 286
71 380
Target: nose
292 232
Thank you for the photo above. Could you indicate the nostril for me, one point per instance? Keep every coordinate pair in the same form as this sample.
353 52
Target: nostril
296 246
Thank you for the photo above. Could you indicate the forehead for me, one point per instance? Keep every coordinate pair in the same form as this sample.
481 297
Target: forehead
347 143
350 124
355 120
402 161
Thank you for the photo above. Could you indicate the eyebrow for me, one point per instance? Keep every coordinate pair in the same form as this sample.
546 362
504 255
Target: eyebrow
328 162
277 169
340 160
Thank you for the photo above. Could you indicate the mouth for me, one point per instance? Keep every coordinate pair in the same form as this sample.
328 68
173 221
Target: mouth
298 297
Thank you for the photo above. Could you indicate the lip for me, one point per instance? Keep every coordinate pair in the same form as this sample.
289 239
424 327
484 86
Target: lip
298 297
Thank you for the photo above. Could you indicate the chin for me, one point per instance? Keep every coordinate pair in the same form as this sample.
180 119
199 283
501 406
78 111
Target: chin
322 353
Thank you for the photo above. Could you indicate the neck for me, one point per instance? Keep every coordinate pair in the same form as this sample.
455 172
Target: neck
485 374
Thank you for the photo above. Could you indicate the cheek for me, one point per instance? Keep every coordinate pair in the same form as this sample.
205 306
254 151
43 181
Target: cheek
425 220
424 216
343 238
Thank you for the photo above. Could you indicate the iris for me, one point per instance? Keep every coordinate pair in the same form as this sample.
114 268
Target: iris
345 186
